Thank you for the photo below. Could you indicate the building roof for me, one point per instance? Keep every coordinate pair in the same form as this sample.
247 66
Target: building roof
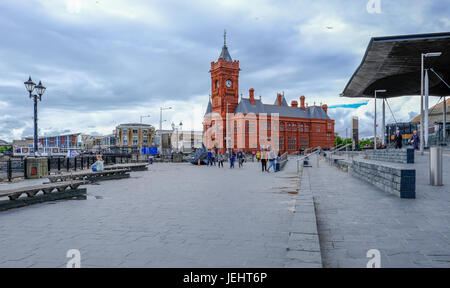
225 54
394 63
313 112
3 142
134 125
437 110
283 101
209 108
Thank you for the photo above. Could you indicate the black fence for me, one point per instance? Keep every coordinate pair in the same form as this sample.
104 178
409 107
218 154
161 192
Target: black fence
17 167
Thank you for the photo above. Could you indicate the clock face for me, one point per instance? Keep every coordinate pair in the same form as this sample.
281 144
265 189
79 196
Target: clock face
217 83
229 83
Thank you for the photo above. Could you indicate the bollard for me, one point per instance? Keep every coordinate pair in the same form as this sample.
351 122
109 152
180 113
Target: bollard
436 166
9 170
59 163
68 164
49 164
25 168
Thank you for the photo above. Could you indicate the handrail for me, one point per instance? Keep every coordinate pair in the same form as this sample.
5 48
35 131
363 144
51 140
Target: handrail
301 158
337 150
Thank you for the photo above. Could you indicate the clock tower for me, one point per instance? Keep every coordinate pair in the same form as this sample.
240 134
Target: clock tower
224 82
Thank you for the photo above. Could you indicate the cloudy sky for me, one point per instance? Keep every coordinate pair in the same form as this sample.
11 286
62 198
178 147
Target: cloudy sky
106 62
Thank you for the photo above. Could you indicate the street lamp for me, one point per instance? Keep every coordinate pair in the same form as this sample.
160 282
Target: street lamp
145 116
422 114
180 126
160 116
40 89
375 119
140 133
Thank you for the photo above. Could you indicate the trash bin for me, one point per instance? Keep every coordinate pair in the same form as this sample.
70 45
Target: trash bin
436 166
150 160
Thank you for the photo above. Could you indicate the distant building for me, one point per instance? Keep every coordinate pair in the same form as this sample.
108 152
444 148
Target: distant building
23 146
436 116
187 140
108 142
90 143
131 137
255 125
48 145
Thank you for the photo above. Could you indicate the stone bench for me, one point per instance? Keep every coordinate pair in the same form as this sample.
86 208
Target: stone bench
405 156
90 175
131 167
48 192
397 179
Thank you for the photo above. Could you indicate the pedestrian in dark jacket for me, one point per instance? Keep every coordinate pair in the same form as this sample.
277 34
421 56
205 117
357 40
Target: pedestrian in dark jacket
415 140
398 140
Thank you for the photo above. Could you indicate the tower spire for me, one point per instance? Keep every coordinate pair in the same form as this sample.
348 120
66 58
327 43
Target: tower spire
224 37
225 54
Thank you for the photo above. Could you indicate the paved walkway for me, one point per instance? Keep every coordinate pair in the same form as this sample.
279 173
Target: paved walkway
175 215
354 216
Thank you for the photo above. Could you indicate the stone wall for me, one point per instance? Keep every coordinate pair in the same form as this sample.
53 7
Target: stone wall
390 155
396 179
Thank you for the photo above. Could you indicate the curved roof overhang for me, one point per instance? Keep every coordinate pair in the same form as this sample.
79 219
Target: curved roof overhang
393 64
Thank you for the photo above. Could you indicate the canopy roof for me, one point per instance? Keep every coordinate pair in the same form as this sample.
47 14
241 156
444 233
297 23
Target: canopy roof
393 64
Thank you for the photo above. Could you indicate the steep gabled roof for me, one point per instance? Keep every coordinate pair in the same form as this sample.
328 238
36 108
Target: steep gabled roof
245 106
225 54
209 108
283 101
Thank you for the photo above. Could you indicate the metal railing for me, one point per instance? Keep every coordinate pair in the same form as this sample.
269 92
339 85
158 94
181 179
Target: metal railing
300 158
331 153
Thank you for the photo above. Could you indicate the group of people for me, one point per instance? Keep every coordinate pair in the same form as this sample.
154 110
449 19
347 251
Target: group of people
268 155
414 140
217 158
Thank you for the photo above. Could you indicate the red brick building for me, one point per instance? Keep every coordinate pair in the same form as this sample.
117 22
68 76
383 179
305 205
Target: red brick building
253 125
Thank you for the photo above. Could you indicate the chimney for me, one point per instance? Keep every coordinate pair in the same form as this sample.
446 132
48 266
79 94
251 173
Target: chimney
251 92
279 99
302 102
294 103
325 107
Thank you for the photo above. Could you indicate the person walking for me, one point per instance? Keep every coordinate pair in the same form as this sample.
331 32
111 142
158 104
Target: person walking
240 157
213 157
271 157
258 156
277 162
415 140
398 139
232 159
263 160
220 160
209 157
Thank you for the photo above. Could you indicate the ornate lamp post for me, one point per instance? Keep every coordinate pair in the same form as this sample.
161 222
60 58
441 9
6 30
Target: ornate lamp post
40 89
177 128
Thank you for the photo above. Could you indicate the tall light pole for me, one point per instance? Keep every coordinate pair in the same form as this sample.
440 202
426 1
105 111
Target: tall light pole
160 115
140 133
227 129
375 120
174 127
161 109
422 114
40 89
